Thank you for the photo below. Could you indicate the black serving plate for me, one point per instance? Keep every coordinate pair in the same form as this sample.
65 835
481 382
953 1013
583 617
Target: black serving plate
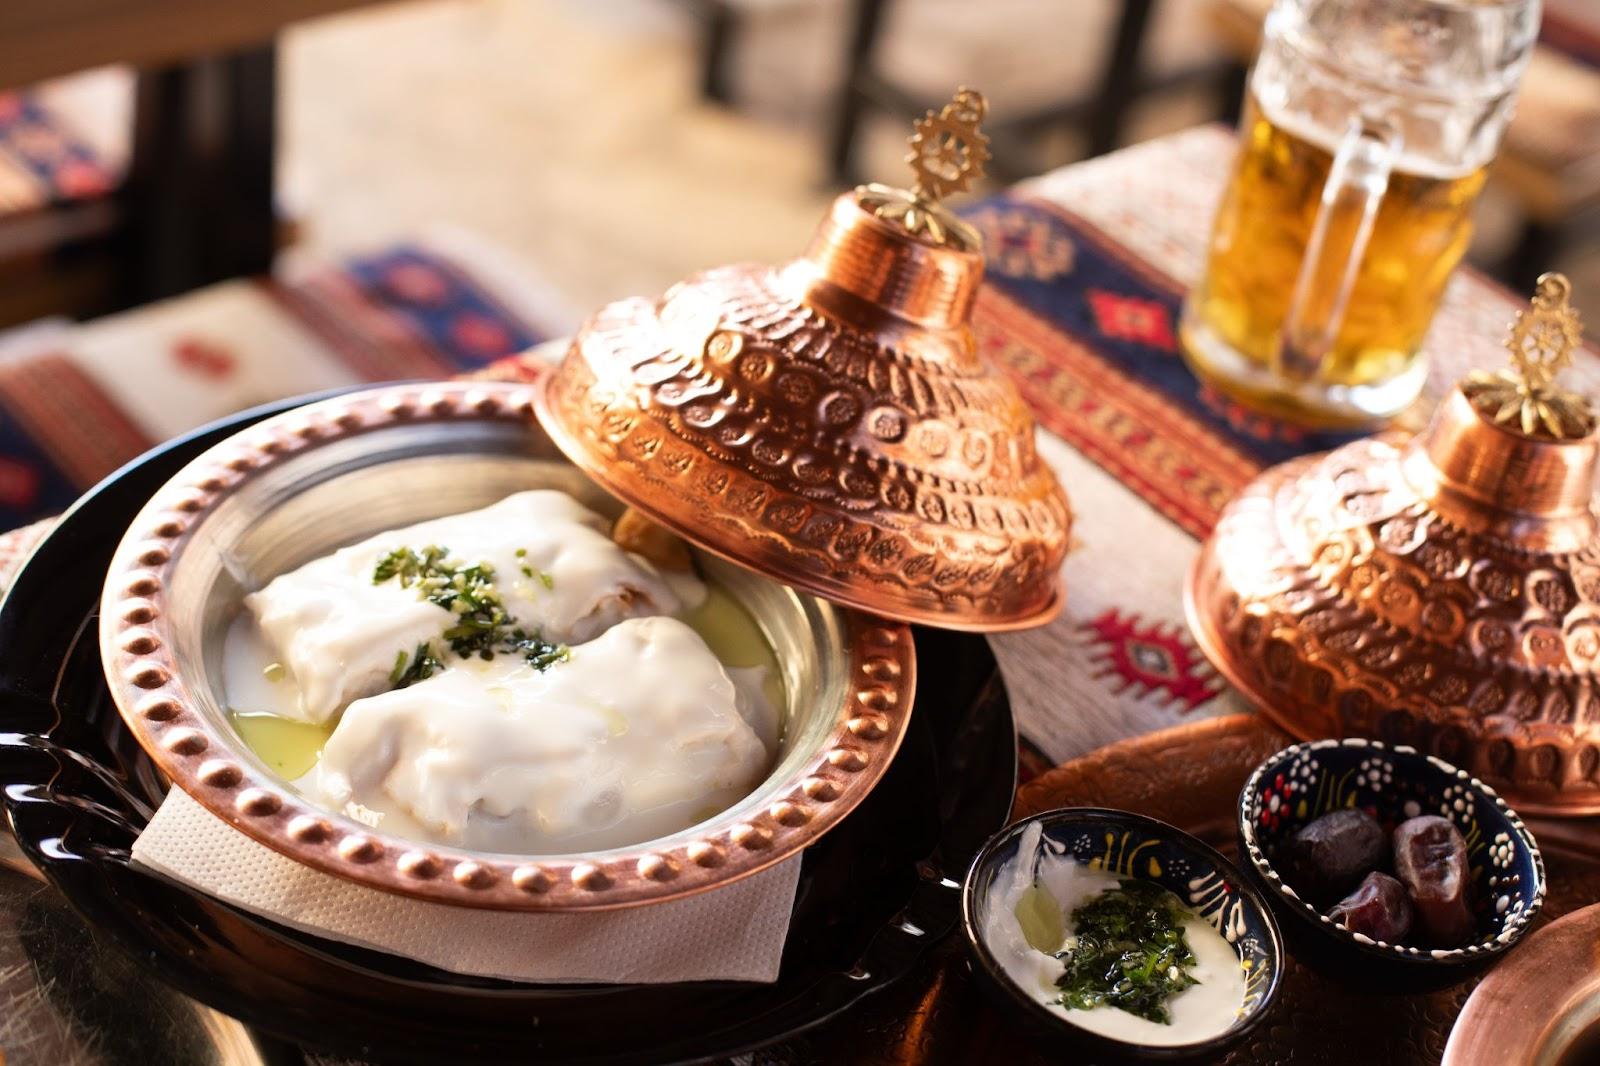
874 894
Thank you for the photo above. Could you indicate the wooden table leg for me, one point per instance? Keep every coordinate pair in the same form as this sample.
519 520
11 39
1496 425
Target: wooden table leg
1535 252
199 203
866 20
719 26
1121 78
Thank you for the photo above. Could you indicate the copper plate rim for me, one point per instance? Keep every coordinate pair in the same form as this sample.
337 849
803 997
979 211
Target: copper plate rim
773 564
1201 627
1512 1017
206 759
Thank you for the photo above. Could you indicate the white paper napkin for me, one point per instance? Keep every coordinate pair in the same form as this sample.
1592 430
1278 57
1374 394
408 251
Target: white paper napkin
734 933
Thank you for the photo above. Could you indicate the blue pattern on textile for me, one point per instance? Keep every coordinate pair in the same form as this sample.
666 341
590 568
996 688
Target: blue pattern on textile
445 308
1066 300
67 168
31 484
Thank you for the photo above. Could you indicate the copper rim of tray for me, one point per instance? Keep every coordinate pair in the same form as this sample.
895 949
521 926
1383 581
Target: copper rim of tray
208 760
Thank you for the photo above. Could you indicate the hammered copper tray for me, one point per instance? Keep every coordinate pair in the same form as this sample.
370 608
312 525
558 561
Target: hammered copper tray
1190 776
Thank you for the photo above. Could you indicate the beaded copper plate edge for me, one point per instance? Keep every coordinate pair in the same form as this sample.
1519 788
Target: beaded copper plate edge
1190 775
1540 1006
204 758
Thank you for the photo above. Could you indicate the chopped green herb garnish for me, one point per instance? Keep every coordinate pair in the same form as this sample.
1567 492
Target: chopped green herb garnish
1128 951
482 627
466 591
408 565
539 653
418 666
522 553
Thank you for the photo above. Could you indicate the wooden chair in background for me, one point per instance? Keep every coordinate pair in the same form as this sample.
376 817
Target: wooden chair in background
197 202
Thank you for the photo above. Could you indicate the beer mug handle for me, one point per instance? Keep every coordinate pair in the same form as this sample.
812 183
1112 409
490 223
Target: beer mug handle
1356 183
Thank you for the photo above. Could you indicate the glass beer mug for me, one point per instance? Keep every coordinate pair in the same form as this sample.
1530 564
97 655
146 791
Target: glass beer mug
1367 128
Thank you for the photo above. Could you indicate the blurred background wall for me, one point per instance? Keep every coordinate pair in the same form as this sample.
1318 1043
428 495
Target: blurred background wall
619 144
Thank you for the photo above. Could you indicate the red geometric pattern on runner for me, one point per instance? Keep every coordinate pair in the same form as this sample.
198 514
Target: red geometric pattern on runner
1133 319
1154 657
376 345
205 357
15 546
1018 245
69 416
1243 420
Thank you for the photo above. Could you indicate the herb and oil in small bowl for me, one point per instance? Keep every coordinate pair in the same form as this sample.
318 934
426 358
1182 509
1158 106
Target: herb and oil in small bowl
1121 935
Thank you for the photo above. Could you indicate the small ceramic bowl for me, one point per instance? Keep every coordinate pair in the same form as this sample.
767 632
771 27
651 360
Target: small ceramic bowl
1134 846
1393 783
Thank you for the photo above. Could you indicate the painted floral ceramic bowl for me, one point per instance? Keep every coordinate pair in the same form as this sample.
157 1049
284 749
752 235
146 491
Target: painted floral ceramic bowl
1392 783
299 485
1130 846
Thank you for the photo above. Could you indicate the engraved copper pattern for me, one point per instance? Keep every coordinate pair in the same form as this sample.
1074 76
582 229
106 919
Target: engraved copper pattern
205 758
828 423
1441 592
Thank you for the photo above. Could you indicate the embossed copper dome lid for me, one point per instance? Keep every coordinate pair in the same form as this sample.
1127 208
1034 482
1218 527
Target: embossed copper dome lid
830 422
1441 591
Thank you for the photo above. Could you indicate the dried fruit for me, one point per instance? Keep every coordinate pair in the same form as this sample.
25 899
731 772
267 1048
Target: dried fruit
1379 909
1431 860
1325 859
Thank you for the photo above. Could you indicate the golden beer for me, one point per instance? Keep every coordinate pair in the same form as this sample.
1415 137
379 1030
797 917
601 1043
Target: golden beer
1366 132
1420 231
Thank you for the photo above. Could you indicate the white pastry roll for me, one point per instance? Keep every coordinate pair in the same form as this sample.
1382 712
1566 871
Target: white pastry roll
640 733
338 633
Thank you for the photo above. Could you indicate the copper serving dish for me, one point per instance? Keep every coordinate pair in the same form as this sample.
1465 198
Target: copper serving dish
298 485
1541 1008
1441 591
830 422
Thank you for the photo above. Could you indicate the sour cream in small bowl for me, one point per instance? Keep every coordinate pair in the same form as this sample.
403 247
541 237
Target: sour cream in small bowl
1056 902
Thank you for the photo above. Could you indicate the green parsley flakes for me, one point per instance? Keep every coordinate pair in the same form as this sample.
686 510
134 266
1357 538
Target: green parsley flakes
1128 951
482 627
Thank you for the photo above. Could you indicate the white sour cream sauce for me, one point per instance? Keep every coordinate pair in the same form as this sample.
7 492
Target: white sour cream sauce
337 633
1199 1012
640 733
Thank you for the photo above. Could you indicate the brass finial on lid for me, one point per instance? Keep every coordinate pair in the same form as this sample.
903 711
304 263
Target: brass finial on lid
1526 396
947 153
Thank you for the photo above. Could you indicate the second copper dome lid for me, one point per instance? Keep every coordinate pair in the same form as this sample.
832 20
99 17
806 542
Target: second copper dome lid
829 422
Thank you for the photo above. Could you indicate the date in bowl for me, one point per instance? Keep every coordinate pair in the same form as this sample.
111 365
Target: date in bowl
1390 785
